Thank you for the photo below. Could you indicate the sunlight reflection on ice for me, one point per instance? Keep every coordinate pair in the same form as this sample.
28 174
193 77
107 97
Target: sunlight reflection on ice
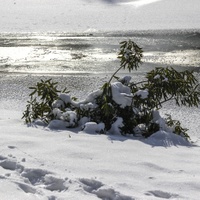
139 3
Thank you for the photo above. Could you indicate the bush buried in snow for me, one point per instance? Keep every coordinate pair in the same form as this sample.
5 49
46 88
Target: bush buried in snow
121 106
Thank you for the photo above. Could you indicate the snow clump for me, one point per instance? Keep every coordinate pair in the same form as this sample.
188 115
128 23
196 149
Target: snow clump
121 94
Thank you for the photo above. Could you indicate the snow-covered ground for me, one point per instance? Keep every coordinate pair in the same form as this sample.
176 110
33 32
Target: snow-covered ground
38 163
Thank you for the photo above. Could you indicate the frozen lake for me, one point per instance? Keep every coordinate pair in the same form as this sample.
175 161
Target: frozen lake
96 52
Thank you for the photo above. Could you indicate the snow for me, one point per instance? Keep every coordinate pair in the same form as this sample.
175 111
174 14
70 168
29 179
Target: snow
65 98
63 119
125 80
93 127
115 128
121 94
143 94
37 163
55 162
59 164
58 124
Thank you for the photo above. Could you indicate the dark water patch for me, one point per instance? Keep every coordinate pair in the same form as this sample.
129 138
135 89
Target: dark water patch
80 46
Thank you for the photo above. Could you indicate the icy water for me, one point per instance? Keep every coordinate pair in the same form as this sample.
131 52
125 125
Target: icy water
65 53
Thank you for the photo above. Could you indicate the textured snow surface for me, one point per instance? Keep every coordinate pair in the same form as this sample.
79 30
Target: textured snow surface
44 163
36 163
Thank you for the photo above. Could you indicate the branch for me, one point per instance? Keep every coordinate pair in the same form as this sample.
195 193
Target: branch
114 74
138 83
166 100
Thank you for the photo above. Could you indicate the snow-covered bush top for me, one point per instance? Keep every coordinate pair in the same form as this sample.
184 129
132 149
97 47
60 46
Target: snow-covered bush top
121 94
119 107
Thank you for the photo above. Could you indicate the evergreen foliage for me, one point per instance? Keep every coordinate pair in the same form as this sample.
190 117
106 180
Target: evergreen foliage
135 104
41 99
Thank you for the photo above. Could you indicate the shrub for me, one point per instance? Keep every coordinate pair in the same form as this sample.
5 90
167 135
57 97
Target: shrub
41 101
123 106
